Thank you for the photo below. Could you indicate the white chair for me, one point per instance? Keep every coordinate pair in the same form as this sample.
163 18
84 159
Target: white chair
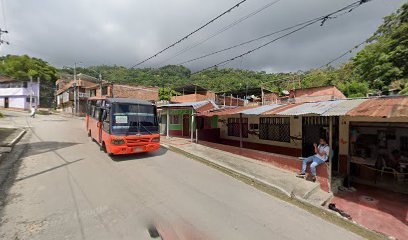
386 169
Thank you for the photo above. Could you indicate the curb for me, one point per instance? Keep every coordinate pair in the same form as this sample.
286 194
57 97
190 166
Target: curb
16 139
284 195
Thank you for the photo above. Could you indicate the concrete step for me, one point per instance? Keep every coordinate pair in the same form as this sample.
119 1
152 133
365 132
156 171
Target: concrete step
319 197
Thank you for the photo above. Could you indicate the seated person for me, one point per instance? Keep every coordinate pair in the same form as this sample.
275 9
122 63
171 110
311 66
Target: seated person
322 155
394 161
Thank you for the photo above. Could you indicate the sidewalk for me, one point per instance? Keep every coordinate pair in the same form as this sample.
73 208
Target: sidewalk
9 135
267 174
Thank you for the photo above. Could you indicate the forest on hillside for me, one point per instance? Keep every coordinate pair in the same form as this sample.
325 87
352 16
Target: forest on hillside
381 65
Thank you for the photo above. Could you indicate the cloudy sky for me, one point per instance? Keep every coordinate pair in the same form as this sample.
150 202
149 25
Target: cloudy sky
124 32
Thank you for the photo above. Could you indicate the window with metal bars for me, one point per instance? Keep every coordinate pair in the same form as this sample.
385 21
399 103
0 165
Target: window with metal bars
233 127
275 129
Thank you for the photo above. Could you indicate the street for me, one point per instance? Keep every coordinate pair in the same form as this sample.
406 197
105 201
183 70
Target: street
64 187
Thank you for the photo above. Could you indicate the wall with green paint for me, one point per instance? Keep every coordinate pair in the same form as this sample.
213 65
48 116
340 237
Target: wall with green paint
179 127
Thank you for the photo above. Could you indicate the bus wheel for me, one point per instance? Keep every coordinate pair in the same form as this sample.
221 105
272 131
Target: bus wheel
103 147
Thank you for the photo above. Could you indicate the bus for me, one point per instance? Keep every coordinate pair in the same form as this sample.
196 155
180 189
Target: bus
123 126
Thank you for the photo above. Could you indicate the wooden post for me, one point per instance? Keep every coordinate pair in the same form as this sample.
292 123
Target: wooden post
331 151
231 100
168 124
196 135
240 131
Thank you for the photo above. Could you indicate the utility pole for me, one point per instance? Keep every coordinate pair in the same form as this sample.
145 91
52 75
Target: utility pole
38 92
31 92
75 91
100 83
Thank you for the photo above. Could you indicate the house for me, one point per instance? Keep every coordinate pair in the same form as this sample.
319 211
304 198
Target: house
15 94
192 93
178 119
252 96
88 86
315 94
365 135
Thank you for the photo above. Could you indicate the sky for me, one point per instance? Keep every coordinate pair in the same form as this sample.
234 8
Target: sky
124 32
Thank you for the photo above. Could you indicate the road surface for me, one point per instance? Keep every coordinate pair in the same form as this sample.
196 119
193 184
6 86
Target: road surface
64 187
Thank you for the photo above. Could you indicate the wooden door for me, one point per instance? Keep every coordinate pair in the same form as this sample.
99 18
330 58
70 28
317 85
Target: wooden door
6 102
186 125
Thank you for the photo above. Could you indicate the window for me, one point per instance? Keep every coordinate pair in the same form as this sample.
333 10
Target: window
233 127
275 129
28 100
404 143
104 91
175 119
106 120
253 126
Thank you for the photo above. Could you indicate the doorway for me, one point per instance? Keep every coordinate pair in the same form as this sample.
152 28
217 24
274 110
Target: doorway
6 102
186 125
316 127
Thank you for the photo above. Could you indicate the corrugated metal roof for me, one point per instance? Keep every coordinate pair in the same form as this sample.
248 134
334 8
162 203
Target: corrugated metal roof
194 105
226 111
261 109
311 108
343 108
382 107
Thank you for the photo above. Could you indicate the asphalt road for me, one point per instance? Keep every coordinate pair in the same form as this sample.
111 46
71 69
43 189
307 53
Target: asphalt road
64 187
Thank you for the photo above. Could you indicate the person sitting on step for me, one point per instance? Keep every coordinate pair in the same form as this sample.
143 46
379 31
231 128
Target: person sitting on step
322 155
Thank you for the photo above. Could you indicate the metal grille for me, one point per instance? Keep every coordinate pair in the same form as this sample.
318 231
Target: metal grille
233 127
275 129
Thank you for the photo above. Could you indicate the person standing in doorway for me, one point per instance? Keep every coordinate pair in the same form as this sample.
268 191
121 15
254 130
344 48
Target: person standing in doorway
322 152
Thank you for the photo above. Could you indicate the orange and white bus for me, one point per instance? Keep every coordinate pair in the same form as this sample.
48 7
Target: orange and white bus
123 126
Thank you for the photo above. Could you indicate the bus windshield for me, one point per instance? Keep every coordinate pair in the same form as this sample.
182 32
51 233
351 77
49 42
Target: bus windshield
134 119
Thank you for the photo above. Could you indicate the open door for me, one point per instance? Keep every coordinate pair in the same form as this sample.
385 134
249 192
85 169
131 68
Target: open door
6 102
186 125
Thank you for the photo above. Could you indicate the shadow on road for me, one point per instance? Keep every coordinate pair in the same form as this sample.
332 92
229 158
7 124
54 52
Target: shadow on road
47 146
139 156
10 164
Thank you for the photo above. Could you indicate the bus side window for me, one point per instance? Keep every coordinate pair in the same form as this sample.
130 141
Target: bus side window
106 121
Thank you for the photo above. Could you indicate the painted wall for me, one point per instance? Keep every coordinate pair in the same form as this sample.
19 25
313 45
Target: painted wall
295 131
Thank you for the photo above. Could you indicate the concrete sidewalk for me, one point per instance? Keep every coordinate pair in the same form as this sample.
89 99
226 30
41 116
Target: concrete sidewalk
264 173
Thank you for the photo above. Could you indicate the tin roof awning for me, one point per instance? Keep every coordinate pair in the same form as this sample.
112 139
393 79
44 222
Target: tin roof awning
385 107
194 105
317 108
344 107
260 110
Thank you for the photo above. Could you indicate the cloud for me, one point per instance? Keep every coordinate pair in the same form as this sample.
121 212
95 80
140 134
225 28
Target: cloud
124 32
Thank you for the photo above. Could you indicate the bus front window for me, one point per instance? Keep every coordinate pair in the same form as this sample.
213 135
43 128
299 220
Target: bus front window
134 119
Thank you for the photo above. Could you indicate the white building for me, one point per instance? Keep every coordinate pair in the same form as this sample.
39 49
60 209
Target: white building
16 94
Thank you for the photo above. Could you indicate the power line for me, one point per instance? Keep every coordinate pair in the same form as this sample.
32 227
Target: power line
247 42
233 24
193 32
321 19
344 54
324 65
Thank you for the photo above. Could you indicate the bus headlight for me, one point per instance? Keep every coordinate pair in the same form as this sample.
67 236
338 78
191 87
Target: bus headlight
117 141
156 140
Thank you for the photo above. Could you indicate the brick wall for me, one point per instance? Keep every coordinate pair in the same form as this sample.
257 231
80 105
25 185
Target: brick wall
137 92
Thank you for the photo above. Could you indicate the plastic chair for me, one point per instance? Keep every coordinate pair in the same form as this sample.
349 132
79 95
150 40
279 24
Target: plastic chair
386 169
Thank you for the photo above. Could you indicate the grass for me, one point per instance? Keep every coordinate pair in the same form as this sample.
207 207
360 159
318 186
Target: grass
317 211
1 115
